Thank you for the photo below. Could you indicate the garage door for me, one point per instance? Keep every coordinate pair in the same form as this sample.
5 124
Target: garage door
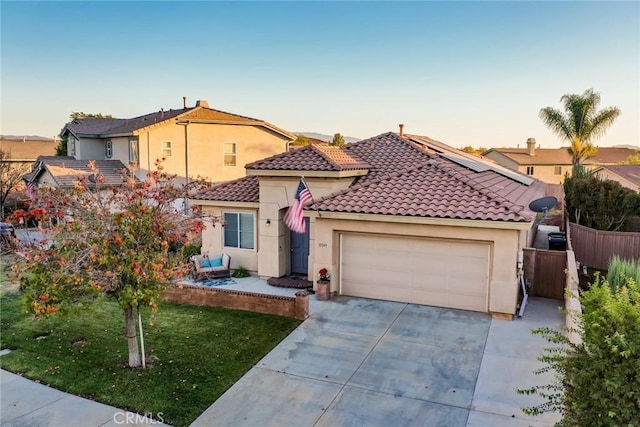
444 273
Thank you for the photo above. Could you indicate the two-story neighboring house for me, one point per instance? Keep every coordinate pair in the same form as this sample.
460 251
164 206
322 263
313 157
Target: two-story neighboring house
194 141
551 164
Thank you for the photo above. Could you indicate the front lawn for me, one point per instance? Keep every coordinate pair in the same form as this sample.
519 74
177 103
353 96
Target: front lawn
200 351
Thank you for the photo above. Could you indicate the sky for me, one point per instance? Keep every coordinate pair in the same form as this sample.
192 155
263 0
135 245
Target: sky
464 73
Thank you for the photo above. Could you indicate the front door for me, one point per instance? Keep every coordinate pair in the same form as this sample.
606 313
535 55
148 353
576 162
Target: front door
300 251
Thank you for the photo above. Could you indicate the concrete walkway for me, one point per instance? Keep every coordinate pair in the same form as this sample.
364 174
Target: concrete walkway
353 362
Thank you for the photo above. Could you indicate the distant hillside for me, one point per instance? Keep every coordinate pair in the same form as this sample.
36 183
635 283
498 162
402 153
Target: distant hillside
326 138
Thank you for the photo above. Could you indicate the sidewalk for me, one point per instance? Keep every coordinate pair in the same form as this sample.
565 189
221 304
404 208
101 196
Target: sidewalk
27 403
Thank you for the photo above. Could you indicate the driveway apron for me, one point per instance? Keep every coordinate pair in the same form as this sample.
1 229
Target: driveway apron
361 362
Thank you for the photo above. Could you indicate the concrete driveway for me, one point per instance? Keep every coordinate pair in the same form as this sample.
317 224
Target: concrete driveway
360 362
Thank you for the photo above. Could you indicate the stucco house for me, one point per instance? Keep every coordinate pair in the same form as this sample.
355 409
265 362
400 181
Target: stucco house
395 217
194 141
551 164
627 175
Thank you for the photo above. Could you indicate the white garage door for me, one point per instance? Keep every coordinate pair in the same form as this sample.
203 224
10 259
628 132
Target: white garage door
444 273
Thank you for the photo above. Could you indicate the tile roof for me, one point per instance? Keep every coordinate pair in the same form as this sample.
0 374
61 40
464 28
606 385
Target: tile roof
245 189
107 127
560 156
313 157
403 179
66 171
28 150
629 172
432 189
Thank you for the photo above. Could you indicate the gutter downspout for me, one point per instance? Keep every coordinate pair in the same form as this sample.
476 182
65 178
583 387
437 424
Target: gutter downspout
186 161
148 153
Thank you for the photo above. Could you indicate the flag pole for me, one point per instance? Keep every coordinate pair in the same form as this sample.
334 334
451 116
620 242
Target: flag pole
313 201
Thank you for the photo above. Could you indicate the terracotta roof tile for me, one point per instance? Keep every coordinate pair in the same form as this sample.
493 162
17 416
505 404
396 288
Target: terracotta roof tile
560 156
245 189
313 157
427 190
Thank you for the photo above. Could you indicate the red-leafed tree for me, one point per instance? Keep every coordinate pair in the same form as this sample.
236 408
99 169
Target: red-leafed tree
113 242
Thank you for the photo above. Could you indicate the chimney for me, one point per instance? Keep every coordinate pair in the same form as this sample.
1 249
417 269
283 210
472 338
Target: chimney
531 146
401 133
184 102
202 103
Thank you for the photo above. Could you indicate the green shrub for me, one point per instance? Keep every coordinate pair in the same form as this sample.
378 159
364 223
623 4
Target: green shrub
599 204
241 272
597 381
191 249
620 270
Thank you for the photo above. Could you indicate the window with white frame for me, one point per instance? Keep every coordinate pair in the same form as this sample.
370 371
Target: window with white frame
166 148
229 153
108 149
71 146
134 156
239 230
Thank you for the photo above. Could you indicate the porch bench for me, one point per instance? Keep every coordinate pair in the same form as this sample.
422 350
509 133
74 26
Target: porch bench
211 266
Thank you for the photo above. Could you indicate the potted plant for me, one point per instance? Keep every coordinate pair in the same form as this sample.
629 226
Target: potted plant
323 291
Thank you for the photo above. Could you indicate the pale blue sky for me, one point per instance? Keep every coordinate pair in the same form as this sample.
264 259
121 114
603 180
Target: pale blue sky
465 73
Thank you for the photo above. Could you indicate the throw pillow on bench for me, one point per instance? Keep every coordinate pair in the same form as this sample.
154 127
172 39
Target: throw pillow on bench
208 263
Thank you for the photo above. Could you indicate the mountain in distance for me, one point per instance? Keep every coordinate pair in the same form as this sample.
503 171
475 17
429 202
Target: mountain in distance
25 137
327 138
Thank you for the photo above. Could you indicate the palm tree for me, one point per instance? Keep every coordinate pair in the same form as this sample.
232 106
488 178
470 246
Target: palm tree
581 123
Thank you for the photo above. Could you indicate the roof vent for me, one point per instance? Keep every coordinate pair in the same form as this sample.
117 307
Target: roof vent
202 103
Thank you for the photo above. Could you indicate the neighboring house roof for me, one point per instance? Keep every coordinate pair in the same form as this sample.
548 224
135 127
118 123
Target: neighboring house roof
560 156
630 173
201 113
66 171
404 179
26 150
245 189
312 157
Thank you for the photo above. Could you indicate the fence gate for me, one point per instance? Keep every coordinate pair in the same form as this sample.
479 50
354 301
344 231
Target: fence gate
549 277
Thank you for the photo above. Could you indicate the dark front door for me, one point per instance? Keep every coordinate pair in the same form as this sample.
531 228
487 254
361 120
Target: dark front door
300 251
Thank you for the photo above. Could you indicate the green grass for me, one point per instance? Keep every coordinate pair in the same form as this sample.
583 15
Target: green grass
202 351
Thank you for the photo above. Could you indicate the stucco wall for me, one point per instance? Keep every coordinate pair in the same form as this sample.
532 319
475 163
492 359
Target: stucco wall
213 241
205 149
546 173
274 257
503 290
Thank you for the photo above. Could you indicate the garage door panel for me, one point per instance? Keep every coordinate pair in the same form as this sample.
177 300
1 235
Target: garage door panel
436 272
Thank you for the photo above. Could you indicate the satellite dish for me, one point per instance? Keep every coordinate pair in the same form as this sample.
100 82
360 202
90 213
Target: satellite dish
543 204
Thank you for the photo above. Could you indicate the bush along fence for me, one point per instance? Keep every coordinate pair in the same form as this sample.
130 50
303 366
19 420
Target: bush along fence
296 307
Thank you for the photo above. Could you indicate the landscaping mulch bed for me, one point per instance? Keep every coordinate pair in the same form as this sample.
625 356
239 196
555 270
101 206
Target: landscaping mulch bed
295 282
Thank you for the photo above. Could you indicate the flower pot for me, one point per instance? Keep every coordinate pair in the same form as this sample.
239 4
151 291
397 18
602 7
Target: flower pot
323 290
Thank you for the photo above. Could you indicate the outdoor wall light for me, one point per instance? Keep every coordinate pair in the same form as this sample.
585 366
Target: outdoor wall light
268 222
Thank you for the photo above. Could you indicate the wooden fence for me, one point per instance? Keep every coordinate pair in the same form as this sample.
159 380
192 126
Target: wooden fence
545 270
594 248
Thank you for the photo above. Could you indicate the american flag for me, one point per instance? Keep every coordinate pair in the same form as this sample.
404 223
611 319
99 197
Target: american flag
293 218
